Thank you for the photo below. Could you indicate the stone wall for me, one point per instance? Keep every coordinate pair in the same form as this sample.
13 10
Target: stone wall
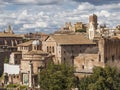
25 65
109 50
69 52
15 58
84 63
14 79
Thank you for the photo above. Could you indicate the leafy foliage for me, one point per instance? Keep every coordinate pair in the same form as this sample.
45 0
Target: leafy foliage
12 85
57 77
81 30
6 60
102 79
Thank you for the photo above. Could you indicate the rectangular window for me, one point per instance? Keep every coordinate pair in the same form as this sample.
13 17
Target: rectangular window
53 49
64 60
47 49
82 66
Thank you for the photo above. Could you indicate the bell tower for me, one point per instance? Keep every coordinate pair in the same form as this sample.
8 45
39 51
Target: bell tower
92 26
93 19
91 31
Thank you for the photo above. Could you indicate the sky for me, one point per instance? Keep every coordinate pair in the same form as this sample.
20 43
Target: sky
50 15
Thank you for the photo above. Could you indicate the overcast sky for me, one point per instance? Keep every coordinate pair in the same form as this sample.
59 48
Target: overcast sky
49 15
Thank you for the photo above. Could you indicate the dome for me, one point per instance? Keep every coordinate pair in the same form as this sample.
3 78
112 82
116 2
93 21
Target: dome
36 42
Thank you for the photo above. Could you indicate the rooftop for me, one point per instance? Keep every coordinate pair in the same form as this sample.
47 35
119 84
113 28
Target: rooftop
36 52
8 35
26 43
71 39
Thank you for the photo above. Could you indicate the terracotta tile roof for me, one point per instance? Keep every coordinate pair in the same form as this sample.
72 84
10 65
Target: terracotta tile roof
72 39
26 43
36 52
18 52
8 35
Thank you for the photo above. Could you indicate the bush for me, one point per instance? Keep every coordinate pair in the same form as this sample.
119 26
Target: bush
6 60
12 85
81 30
23 87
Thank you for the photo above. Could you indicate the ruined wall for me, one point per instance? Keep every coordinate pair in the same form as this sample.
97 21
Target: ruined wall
110 51
15 58
25 65
14 79
69 52
10 41
84 64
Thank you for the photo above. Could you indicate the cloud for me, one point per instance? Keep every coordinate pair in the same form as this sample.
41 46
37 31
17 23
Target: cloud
114 6
35 25
48 18
35 2
86 6
98 2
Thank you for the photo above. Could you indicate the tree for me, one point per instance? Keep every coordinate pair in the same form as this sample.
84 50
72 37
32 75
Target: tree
57 77
107 78
81 30
6 60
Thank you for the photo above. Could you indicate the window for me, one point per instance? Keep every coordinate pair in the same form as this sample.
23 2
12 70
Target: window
72 57
106 60
53 49
64 60
99 58
15 62
17 76
35 47
80 51
72 51
14 76
82 66
112 58
47 49
50 49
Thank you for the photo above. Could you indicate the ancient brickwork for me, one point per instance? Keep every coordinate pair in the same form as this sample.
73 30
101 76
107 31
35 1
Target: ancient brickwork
109 50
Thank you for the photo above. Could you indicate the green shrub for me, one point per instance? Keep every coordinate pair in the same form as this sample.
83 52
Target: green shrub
81 30
12 85
23 87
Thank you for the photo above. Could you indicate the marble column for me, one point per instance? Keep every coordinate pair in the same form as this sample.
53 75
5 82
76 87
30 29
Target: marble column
30 74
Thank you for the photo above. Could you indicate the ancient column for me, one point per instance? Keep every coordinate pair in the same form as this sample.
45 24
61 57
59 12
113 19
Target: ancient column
30 74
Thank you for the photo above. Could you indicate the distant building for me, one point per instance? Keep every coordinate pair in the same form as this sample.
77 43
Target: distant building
11 74
109 50
93 19
25 47
84 63
33 59
79 26
65 47
9 40
34 36
8 44
91 31
15 58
